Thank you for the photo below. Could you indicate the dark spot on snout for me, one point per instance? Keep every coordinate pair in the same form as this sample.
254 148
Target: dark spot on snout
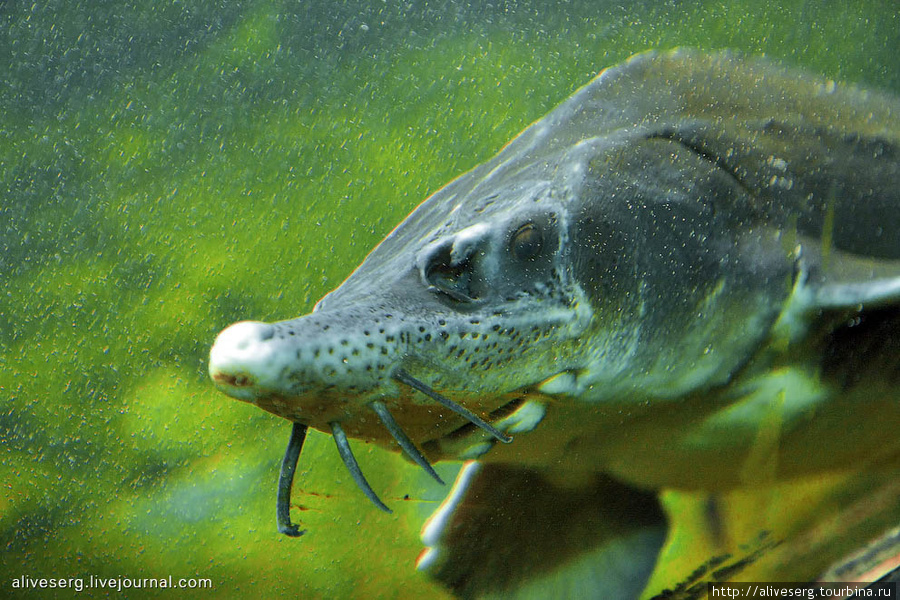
233 380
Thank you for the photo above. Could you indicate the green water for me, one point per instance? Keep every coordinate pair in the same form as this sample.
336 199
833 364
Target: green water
169 168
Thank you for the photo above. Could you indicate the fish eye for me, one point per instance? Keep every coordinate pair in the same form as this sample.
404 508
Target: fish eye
526 242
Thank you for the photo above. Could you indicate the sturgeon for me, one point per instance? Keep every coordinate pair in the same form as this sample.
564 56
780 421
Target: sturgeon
688 250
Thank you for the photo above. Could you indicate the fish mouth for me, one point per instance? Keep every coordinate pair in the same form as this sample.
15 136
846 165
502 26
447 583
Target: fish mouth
298 436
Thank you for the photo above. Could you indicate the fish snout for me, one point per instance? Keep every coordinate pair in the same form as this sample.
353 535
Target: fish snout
334 358
242 359
338 372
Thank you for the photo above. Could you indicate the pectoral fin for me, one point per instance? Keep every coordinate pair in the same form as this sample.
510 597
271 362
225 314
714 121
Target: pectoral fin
510 532
844 280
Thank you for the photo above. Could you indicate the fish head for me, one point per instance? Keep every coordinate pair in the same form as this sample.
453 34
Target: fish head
582 262
480 306
586 273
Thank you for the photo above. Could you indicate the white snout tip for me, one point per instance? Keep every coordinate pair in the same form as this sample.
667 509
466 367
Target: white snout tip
242 357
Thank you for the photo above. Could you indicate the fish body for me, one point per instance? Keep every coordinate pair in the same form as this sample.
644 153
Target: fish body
685 276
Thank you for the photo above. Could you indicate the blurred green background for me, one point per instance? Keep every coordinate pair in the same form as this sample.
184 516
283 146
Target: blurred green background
167 168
